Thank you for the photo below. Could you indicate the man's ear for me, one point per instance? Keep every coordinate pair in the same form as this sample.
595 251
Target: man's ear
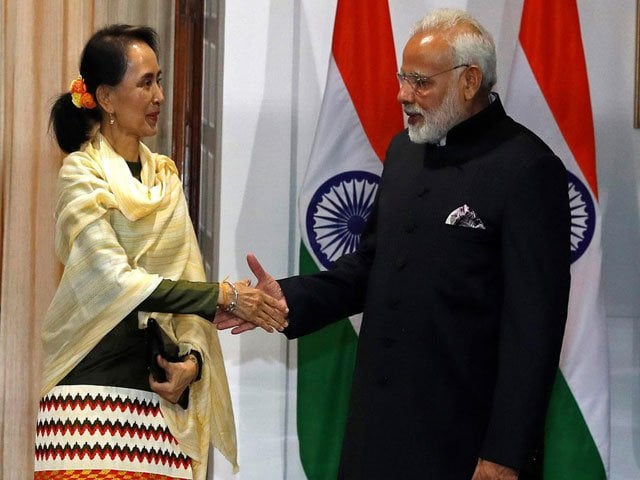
472 78
103 97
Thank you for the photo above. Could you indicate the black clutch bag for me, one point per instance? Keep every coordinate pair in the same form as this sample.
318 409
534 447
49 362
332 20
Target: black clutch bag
159 343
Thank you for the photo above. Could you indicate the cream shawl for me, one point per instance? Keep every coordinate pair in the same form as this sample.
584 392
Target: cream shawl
118 238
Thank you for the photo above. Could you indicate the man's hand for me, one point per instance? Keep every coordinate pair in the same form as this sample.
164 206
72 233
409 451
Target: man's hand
259 308
486 470
266 283
179 377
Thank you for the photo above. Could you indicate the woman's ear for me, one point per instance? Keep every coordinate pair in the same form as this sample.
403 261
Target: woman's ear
103 97
472 81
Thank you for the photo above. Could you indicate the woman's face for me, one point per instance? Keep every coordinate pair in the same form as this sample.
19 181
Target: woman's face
136 100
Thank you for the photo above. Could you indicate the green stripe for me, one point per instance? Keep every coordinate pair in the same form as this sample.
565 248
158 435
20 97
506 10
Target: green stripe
325 368
570 452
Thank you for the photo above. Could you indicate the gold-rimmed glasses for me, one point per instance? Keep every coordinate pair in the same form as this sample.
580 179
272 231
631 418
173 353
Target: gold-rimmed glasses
420 83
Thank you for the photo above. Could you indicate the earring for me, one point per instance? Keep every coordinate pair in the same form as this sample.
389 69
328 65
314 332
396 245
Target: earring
111 119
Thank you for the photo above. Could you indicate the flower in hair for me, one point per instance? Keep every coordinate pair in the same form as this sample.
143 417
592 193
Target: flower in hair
79 95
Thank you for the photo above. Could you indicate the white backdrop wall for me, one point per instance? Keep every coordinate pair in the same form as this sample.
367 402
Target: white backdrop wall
275 62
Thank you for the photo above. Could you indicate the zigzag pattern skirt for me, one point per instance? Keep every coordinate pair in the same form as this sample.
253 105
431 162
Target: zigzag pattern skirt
100 432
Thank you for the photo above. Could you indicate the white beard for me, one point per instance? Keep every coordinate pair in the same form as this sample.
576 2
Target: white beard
437 122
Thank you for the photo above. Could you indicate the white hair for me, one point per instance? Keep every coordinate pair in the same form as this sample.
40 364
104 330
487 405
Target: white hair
473 47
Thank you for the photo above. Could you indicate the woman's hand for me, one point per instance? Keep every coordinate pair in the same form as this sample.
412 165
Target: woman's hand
179 376
259 308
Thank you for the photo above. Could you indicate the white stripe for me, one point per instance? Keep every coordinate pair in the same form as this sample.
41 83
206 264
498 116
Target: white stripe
340 144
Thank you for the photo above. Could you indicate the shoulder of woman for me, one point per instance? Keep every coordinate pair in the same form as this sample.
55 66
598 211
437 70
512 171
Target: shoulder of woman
160 161
80 172
81 162
165 163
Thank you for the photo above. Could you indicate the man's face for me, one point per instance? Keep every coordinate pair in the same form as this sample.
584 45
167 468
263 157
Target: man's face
433 103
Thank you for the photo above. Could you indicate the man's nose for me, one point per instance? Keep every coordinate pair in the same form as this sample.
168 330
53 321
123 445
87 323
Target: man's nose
405 93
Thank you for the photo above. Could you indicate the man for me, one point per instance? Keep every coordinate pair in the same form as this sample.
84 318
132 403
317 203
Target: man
462 274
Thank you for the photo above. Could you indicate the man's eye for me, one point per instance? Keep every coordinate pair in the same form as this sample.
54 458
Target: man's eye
421 82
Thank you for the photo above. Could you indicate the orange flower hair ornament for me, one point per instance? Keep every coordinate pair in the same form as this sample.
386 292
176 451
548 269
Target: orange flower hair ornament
79 95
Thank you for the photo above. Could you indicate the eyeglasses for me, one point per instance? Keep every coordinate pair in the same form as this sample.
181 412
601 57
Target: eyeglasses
420 83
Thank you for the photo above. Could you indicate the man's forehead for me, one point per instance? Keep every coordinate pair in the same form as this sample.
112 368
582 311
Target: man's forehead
437 35
426 47
425 39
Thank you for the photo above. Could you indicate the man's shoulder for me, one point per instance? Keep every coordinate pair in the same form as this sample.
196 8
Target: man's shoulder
400 143
524 154
401 137
522 141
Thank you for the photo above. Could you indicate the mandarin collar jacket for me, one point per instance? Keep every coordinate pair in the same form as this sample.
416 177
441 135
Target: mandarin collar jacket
462 327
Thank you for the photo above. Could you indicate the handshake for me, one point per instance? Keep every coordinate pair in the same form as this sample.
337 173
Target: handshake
245 308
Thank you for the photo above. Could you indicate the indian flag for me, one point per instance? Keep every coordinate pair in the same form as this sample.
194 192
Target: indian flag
549 92
358 118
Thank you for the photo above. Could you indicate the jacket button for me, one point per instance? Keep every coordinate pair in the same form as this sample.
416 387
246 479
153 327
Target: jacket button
410 227
401 262
382 381
388 342
423 191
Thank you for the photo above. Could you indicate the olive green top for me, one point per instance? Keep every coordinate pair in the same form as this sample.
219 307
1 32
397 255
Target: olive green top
120 358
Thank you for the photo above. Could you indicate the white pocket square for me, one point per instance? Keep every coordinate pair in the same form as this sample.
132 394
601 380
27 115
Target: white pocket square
464 217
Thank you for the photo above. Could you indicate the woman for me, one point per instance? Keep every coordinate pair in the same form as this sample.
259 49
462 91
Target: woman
130 254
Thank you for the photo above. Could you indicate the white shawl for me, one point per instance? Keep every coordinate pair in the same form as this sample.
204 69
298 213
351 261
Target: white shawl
118 238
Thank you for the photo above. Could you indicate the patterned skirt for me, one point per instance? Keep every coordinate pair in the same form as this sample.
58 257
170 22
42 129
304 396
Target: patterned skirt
101 432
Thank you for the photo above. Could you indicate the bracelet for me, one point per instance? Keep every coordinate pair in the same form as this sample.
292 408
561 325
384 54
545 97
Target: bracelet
233 304
194 359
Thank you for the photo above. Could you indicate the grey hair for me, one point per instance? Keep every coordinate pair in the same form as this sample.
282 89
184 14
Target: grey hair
471 48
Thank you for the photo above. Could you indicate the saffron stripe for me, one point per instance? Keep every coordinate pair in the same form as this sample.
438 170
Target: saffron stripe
364 52
551 39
